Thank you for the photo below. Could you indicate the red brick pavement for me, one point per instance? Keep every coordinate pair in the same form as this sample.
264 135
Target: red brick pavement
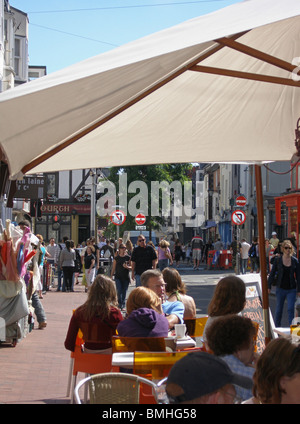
36 370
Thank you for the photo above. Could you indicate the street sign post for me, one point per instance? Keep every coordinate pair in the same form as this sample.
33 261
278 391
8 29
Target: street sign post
118 217
140 219
240 201
238 217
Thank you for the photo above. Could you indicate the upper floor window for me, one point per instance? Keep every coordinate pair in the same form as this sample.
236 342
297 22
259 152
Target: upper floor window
20 58
17 58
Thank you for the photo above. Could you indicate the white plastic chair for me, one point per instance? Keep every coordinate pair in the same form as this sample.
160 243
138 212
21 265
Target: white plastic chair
114 388
161 394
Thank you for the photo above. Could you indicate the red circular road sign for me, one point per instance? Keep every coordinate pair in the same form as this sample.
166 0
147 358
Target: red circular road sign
241 201
140 219
118 217
238 217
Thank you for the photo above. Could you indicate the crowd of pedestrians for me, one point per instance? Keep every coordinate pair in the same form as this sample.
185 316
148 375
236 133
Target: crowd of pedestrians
227 370
125 264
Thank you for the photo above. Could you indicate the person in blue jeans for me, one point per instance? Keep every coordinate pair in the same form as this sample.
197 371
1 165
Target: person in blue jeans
120 269
285 274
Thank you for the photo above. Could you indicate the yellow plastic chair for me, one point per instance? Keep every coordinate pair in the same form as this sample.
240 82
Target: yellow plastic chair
195 326
256 326
145 344
114 388
156 365
131 344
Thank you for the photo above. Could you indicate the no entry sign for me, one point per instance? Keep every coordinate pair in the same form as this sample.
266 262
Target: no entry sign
241 201
140 219
118 217
238 217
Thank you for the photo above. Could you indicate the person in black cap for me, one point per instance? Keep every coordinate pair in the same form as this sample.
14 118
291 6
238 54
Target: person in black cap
203 378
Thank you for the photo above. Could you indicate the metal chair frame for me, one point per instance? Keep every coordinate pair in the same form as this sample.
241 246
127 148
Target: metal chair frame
112 395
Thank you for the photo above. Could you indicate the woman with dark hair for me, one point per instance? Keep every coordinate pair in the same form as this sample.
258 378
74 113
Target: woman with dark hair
120 269
177 251
67 260
97 318
277 375
176 290
229 298
89 265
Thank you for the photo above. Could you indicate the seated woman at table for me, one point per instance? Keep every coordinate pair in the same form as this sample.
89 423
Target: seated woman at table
176 290
145 316
229 298
97 318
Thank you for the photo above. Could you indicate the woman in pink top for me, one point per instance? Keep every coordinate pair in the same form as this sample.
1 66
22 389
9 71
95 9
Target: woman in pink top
164 255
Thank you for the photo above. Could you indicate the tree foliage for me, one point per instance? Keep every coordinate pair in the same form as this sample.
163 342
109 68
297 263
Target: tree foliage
147 174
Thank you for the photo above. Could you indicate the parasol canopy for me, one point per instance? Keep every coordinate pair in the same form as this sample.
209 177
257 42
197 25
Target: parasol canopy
222 87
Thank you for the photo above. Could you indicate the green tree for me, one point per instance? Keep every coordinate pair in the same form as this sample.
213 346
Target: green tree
148 174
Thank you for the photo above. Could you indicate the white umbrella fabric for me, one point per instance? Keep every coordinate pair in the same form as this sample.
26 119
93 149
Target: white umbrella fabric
219 88
162 94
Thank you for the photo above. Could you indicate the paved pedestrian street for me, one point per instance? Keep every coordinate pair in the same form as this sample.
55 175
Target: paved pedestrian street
37 369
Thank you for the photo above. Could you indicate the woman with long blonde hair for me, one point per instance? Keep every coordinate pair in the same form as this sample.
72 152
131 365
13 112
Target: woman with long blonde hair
145 316
97 318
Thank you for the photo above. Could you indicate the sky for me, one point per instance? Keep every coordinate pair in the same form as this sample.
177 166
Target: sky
64 32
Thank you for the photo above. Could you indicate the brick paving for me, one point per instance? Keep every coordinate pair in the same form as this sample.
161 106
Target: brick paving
36 370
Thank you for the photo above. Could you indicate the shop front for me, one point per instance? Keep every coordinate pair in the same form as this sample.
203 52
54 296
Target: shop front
60 220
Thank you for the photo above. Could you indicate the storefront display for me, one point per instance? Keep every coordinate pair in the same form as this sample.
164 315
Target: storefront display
18 248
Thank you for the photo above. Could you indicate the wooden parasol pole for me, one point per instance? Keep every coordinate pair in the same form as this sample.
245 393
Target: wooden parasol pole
262 253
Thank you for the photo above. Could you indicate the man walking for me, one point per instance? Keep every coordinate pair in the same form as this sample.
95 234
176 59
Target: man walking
61 246
143 258
244 255
197 245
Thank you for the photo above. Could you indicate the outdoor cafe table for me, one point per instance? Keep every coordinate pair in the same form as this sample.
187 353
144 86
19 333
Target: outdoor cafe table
126 359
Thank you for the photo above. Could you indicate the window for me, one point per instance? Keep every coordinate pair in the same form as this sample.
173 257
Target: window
20 58
17 57
51 187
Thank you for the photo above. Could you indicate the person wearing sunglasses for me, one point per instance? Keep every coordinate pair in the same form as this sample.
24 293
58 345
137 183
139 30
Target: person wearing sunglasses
285 275
120 269
143 257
